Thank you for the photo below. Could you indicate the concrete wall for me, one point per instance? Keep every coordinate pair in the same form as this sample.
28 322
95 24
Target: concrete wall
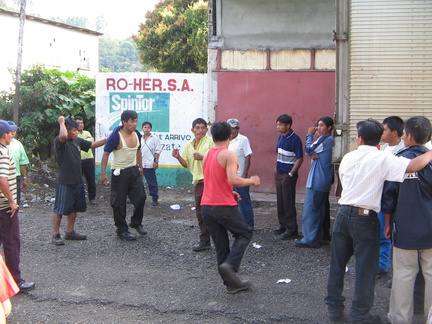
277 24
55 46
269 58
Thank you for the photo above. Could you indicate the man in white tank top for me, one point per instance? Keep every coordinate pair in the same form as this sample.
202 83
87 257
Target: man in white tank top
126 175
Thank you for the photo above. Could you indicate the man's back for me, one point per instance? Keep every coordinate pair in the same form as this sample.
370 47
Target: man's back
412 201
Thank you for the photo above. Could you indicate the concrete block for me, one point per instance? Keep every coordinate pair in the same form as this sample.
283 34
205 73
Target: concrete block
243 60
290 60
325 59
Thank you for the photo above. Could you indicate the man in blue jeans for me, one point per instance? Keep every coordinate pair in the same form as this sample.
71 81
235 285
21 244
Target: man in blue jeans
240 144
356 229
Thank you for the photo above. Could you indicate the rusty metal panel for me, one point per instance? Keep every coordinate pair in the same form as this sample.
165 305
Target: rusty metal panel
390 59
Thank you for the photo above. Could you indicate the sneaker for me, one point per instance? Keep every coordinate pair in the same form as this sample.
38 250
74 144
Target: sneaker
139 229
57 240
92 202
202 246
279 231
74 236
289 236
125 235
26 286
155 203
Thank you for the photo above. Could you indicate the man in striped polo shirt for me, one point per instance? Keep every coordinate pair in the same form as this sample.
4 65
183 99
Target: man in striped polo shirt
289 159
9 222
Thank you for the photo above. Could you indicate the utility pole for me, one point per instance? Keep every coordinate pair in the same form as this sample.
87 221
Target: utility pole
19 62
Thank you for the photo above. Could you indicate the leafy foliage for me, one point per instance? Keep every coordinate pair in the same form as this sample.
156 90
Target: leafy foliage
117 55
45 95
175 36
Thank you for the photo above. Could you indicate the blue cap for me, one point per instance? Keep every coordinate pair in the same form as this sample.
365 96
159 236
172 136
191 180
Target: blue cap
6 127
10 122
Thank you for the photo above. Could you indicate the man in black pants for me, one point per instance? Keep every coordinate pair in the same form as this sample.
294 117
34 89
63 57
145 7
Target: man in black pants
87 161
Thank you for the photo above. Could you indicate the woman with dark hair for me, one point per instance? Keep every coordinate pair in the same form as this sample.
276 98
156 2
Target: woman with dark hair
319 182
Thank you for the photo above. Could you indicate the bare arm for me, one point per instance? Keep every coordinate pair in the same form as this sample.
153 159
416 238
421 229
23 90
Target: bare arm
4 188
98 143
387 229
63 130
176 153
247 165
231 161
156 161
104 162
297 165
419 162
139 162
23 169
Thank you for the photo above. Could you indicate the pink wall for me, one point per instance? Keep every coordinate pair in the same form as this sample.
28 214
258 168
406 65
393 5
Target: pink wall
256 99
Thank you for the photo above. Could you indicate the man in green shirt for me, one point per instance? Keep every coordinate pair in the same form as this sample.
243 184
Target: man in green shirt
87 161
18 153
192 159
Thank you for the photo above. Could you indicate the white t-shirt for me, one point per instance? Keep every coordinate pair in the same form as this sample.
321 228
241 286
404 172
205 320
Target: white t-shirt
241 146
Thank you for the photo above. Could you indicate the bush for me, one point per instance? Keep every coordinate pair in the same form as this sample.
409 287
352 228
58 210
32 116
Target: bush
44 96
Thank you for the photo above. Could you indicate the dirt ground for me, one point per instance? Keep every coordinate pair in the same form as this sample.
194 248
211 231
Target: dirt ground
158 278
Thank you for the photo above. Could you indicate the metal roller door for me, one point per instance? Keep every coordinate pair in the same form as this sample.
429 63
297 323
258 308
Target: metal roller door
390 59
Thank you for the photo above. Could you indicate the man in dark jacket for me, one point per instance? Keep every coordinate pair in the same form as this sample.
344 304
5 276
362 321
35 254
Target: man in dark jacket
411 204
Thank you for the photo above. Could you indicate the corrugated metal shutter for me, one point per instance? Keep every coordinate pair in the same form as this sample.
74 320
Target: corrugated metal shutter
390 46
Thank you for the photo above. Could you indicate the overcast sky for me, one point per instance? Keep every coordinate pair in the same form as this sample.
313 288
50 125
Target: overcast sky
122 17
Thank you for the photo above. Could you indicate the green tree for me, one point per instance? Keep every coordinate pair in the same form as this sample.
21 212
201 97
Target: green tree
45 95
175 37
117 55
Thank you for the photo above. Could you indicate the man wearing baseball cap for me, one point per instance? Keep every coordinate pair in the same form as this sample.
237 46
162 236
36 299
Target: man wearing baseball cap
9 222
241 146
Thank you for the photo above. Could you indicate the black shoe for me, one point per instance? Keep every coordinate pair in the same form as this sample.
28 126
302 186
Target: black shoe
289 236
125 235
74 236
300 244
92 202
155 203
279 231
139 229
26 286
251 228
244 285
202 246
57 240
229 277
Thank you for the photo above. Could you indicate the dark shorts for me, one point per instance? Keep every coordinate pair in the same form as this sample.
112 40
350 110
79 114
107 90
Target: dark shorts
69 199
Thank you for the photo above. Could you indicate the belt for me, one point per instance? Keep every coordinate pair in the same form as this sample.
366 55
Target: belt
359 211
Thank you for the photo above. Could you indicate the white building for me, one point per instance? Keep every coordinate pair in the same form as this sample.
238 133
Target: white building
56 45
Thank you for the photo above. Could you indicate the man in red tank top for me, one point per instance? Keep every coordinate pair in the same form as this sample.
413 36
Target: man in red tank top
219 207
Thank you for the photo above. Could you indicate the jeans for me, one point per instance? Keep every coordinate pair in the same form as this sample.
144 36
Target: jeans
221 219
127 184
313 216
150 176
385 246
245 205
358 235
285 196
